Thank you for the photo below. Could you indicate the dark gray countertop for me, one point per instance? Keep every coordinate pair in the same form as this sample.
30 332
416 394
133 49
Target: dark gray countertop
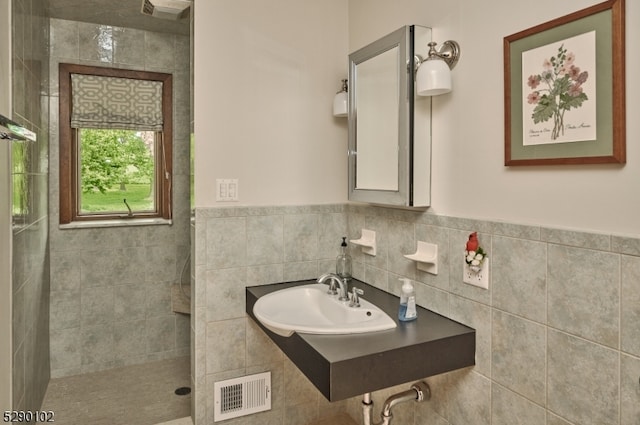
343 366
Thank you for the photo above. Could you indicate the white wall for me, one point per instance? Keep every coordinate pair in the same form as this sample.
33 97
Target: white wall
5 211
469 178
265 72
265 76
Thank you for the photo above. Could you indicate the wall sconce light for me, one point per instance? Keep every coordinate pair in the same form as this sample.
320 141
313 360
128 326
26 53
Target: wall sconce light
340 101
434 73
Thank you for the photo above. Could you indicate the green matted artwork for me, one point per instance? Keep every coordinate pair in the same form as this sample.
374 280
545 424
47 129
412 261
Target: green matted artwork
564 89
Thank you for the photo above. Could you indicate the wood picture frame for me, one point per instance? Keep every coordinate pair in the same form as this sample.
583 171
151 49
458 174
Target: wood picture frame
564 89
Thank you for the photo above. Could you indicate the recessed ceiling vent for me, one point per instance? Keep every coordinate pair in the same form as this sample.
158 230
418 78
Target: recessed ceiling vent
166 9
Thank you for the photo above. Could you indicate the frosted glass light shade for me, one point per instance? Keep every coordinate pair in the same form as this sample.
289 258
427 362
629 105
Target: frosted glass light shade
340 104
433 78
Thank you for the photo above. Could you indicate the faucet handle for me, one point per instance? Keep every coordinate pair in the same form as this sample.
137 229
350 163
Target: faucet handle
355 299
332 288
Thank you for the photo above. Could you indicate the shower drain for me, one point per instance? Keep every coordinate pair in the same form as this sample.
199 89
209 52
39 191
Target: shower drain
183 391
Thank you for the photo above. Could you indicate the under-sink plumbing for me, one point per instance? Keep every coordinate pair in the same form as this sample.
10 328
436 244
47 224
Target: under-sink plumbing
419 391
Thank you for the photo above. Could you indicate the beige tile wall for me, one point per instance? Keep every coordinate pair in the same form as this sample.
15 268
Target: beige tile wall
557 331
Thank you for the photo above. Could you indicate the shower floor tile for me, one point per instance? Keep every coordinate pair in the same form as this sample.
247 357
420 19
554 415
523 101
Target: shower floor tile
132 395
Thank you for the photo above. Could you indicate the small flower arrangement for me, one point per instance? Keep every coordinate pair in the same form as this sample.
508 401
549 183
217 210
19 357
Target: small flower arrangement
474 259
474 255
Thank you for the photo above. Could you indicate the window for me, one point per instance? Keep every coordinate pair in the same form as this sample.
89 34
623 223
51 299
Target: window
115 144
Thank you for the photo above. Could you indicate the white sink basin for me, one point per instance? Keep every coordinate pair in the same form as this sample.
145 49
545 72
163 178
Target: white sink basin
309 309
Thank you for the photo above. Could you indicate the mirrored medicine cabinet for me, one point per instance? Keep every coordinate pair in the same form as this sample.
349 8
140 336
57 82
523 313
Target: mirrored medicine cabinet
389 125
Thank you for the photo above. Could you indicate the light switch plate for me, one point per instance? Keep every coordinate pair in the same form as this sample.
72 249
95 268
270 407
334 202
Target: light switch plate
226 190
479 279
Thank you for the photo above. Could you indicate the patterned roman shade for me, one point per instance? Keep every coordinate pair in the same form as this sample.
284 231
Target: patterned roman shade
116 103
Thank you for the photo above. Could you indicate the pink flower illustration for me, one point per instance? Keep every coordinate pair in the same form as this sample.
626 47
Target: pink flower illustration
575 90
534 97
574 72
534 80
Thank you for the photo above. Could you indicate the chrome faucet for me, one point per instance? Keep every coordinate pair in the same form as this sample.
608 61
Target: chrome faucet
343 292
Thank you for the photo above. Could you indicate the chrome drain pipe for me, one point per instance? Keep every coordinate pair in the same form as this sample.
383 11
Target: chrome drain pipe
419 391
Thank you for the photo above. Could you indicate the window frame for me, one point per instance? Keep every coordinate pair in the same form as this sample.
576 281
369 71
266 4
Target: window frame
68 147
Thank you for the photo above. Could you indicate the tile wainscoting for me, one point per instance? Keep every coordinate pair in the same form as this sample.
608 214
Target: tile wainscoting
558 334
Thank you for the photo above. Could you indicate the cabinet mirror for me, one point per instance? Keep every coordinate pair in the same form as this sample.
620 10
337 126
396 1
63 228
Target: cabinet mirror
389 126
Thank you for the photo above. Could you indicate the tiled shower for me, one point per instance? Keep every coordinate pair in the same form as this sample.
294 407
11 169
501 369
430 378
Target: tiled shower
89 299
111 287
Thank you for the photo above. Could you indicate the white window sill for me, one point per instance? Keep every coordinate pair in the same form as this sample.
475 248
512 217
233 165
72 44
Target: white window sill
116 223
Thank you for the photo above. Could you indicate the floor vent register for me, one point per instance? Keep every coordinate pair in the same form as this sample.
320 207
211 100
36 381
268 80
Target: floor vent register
242 396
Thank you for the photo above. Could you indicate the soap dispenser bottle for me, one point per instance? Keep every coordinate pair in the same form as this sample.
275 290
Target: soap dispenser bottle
343 261
407 310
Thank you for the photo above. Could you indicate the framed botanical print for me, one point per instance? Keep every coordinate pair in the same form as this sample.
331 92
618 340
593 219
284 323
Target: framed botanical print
564 84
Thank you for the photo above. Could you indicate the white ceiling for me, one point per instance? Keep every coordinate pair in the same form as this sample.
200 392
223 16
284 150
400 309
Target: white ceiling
124 13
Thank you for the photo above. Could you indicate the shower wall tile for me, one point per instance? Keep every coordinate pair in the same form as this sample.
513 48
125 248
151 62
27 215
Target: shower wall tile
300 237
64 309
468 398
159 49
576 368
128 47
331 230
555 420
160 335
440 237
519 273
517 342
65 271
432 299
401 241
65 39
576 239
260 349
625 245
297 388
97 343
127 339
629 390
478 317
518 231
375 277
121 276
97 306
630 306
158 298
303 270
129 302
508 408
263 275
225 345
65 349
584 294
381 227
265 239
534 365
161 264
225 294
95 42
226 244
